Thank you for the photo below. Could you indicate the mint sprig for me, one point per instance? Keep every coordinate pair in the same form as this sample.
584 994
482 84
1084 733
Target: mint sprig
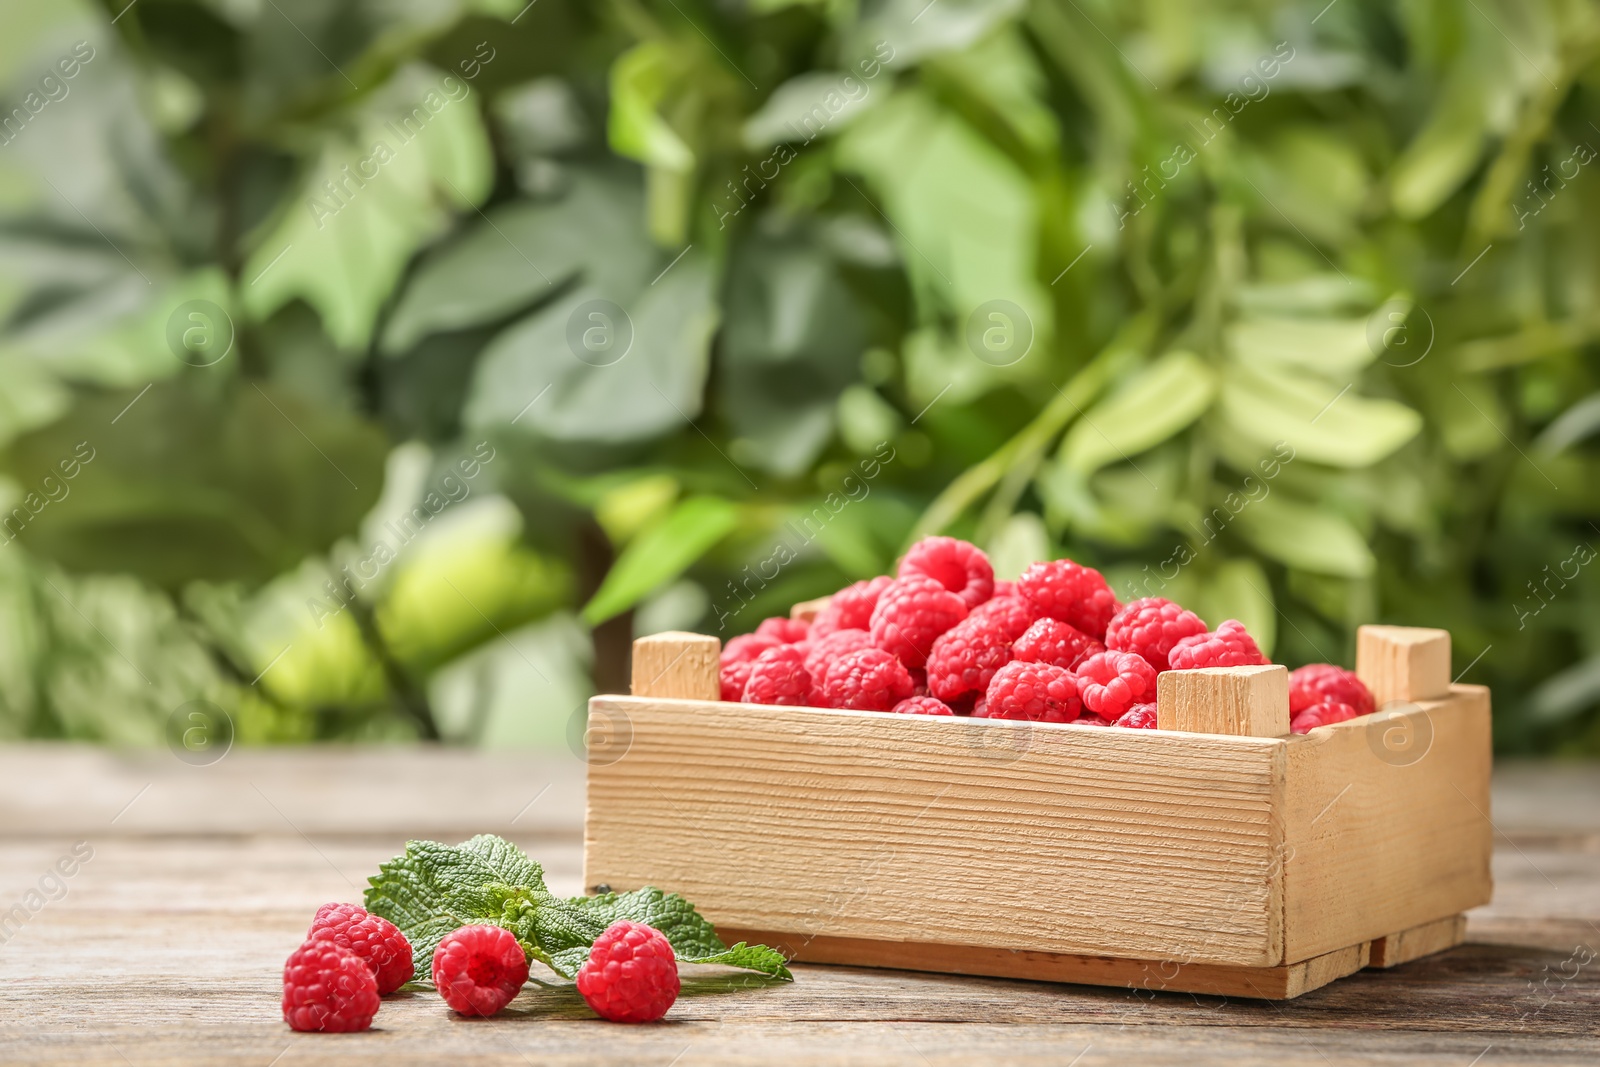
432 889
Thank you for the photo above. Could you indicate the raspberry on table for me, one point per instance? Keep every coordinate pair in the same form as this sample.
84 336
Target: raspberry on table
779 676
1151 626
631 975
1072 593
1138 717
327 987
850 608
959 566
1038 692
867 680
1324 714
479 969
371 937
921 706
789 631
965 657
1052 641
1229 645
1112 682
911 614
1318 683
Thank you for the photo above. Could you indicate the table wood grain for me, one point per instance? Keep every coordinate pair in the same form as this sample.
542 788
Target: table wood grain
166 945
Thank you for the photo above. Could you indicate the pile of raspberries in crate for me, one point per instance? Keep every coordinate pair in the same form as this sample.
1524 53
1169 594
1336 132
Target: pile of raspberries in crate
943 637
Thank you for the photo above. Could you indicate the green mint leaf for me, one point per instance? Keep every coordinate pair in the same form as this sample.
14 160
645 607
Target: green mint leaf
433 889
567 928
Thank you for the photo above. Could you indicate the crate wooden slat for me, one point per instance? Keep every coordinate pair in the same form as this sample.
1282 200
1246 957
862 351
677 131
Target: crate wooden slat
1210 862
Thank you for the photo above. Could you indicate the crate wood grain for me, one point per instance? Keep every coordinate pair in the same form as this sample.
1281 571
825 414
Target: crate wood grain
1241 860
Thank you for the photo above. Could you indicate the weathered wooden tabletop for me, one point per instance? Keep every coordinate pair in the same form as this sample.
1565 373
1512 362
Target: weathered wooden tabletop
166 945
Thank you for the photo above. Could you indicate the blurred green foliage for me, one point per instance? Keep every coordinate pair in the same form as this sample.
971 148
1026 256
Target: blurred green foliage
378 368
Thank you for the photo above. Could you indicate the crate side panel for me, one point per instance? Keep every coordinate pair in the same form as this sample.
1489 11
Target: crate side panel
908 828
1387 823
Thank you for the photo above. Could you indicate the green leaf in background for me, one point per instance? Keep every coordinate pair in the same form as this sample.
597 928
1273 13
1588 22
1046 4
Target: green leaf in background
661 553
1161 400
1305 537
1323 423
174 483
965 215
531 376
642 79
371 199
1335 348
524 253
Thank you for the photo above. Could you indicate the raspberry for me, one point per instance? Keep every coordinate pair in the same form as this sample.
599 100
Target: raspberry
329 988
1005 588
824 650
959 566
966 656
631 975
921 706
1229 645
1074 594
1138 717
868 680
1324 714
1040 692
850 608
779 676
1151 627
1090 720
479 969
371 937
1006 610
1055 642
1320 683
1112 682
738 656
789 631
911 614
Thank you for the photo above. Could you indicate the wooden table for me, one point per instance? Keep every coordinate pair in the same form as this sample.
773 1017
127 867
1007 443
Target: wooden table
168 943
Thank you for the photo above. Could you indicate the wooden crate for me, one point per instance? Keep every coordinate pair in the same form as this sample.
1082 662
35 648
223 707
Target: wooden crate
1219 854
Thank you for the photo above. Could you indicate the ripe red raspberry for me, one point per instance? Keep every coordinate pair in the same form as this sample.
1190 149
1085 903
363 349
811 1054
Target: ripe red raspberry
1039 692
372 937
479 969
738 656
1229 645
824 650
965 657
850 608
1325 714
1009 611
1112 682
1138 717
1090 720
911 614
329 988
631 975
957 565
1151 627
868 680
1055 642
1005 588
779 676
921 706
1074 594
1318 683
789 631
